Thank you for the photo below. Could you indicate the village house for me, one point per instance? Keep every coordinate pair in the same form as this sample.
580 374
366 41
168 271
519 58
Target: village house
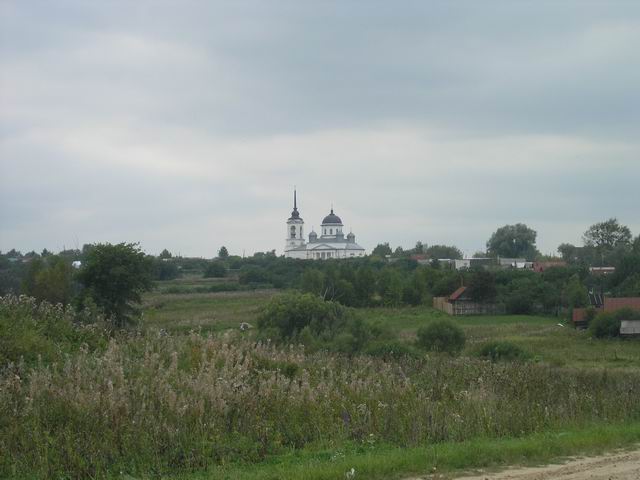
461 303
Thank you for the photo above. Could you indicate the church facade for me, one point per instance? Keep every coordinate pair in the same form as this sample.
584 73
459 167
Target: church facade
332 243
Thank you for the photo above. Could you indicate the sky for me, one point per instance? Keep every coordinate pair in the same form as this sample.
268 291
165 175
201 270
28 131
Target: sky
186 124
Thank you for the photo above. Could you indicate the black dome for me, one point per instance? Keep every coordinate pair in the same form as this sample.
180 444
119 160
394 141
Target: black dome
332 218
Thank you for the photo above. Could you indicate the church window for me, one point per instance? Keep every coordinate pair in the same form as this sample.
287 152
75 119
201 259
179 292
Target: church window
293 231
331 231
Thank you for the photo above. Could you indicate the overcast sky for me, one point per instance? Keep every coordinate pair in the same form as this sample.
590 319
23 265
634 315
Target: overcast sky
185 125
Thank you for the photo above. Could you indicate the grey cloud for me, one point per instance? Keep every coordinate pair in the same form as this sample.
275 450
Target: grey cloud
186 124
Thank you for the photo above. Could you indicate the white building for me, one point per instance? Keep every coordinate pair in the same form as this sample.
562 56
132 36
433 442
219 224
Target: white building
331 244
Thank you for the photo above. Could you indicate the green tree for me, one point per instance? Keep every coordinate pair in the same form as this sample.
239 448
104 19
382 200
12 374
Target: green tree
313 282
513 241
398 252
576 293
223 252
607 235
444 251
419 248
49 280
165 254
114 277
390 287
382 250
215 269
365 285
482 286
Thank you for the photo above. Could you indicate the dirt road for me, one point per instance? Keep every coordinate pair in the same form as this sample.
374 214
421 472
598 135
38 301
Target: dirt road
617 466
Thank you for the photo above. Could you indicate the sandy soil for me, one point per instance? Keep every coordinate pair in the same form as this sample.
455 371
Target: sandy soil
616 466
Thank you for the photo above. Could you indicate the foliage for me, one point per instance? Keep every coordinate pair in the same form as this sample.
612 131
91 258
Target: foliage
381 250
441 336
482 286
287 315
253 274
49 279
215 269
390 350
223 253
443 251
502 351
607 324
169 405
625 282
164 268
513 241
32 331
576 293
607 235
114 277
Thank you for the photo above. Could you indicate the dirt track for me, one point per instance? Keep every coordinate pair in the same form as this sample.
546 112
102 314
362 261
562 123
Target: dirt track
618 466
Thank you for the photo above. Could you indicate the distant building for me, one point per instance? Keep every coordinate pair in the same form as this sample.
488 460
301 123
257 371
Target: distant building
519 263
332 242
473 263
460 303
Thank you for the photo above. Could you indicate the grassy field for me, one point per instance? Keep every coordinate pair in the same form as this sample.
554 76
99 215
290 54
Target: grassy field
192 406
542 337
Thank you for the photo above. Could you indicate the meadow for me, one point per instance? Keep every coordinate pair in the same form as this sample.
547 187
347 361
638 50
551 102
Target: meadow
548 339
189 395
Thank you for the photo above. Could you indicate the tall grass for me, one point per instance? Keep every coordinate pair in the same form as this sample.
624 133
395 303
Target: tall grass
158 404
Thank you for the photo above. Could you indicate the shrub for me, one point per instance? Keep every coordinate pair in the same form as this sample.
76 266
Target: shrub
252 274
30 331
496 351
441 336
285 316
590 314
166 406
607 324
215 270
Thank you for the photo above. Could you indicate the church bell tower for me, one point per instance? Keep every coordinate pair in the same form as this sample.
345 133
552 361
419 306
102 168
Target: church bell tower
295 228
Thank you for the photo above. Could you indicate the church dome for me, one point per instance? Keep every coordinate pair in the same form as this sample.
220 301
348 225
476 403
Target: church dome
332 219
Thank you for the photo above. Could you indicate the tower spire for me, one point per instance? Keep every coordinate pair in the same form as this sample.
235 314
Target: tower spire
295 213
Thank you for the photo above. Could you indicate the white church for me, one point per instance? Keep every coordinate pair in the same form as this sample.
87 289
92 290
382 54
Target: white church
331 244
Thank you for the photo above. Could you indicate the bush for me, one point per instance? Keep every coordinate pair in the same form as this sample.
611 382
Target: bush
252 274
215 270
32 331
285 316
607 324
496 351
441 336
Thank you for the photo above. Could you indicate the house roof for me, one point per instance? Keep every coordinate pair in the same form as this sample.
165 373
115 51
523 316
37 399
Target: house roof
455 295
